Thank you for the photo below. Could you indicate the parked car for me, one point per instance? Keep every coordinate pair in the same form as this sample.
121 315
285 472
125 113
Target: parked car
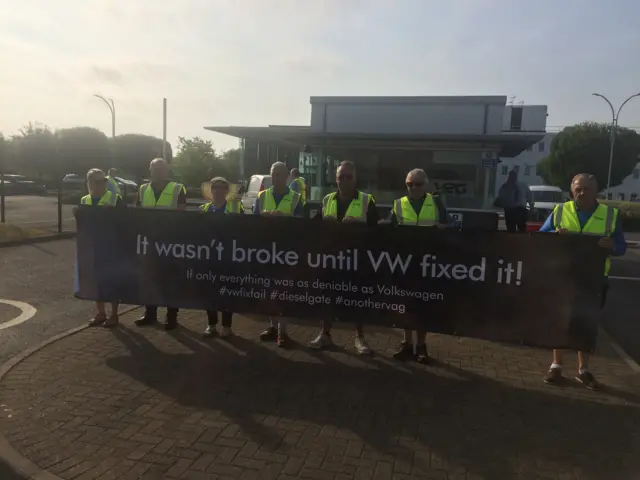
21 185
256 184
545 199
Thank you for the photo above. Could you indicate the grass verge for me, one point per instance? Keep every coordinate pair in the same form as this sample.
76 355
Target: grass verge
15 233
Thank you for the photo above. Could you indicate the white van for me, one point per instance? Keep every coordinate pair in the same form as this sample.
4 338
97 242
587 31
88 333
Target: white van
256 184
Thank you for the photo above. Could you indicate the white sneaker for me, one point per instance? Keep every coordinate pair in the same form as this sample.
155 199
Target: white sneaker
323 340
361 346
225 332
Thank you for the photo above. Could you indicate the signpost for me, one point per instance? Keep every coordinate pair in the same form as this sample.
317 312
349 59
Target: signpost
490 159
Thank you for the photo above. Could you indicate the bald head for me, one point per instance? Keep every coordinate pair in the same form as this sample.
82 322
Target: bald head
159 170
279 175
584 189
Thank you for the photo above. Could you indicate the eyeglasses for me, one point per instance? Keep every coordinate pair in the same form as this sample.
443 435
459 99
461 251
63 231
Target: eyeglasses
415 184
345 177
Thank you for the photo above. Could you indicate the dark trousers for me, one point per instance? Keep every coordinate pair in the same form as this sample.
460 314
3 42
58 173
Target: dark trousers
516 219
151 311
212 317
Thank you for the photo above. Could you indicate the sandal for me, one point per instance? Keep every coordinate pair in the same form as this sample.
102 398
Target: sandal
97 320
112 321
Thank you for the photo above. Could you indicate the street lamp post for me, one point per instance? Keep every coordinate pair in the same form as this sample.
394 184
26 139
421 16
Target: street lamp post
112 109
614 125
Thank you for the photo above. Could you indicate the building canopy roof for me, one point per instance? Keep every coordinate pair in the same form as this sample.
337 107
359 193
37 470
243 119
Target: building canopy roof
507 144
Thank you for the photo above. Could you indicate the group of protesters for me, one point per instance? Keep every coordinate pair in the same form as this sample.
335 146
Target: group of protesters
288 197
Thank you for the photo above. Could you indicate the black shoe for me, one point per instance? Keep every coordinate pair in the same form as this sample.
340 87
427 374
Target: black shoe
404 352
171 324
422 356
269 335
145 320
211 331
587 380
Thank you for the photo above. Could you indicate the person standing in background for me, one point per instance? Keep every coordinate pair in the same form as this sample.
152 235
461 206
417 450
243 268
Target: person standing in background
299 185
165 194
219 205
513 197
112 183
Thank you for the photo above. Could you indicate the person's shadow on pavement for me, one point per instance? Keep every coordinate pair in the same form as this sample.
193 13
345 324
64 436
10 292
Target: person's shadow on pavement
418 417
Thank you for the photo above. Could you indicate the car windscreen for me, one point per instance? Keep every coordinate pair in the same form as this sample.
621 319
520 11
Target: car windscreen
548 196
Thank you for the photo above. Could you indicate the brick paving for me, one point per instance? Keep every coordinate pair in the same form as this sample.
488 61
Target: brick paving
135 403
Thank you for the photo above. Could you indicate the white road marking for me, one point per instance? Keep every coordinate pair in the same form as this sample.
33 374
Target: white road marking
637 279
27 311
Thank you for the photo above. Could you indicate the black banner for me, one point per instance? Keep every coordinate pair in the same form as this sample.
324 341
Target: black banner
533 289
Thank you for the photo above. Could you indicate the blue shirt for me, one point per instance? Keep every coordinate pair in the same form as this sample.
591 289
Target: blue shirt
619 243
298 212
295 186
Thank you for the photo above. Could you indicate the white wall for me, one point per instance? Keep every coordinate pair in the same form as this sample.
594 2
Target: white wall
525 163
629 189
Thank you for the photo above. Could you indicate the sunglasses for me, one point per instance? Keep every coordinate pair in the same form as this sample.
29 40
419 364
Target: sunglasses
345 177
415 184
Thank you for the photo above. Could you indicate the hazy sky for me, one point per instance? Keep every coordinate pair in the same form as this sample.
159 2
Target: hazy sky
255 62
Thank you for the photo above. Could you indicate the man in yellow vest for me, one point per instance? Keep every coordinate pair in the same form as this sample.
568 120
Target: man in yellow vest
100 196
220 205
112 183
278 200
346 205
420 209
299 185
585 216
165 194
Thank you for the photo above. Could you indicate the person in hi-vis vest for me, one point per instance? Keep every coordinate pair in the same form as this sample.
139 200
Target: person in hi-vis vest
112 183
100 196
278 200
583 215
298 185
220 205
165 194
346 205
420 209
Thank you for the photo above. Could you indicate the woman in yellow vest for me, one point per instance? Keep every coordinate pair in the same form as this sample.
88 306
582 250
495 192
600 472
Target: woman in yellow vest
278 200
420 209
100 196
585 216
220 205
346 205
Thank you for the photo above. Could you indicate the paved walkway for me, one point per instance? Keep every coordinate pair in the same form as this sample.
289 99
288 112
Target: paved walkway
143 404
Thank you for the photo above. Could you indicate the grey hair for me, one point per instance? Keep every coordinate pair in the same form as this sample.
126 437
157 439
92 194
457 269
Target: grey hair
93 172
278 165
220 180
157 161
420 172
347 164
585 176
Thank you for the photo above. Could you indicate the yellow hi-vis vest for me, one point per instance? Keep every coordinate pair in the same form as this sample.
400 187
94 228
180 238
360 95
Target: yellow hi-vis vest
232 206
406 214
287 204
113 185
601 223
109 199
168 199
302 189
357 208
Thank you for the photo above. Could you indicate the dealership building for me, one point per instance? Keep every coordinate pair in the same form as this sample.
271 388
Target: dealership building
458 140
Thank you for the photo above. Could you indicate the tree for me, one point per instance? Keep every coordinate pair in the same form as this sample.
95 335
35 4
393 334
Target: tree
35 149
197 161
584 148
231 161
80 149
133 153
